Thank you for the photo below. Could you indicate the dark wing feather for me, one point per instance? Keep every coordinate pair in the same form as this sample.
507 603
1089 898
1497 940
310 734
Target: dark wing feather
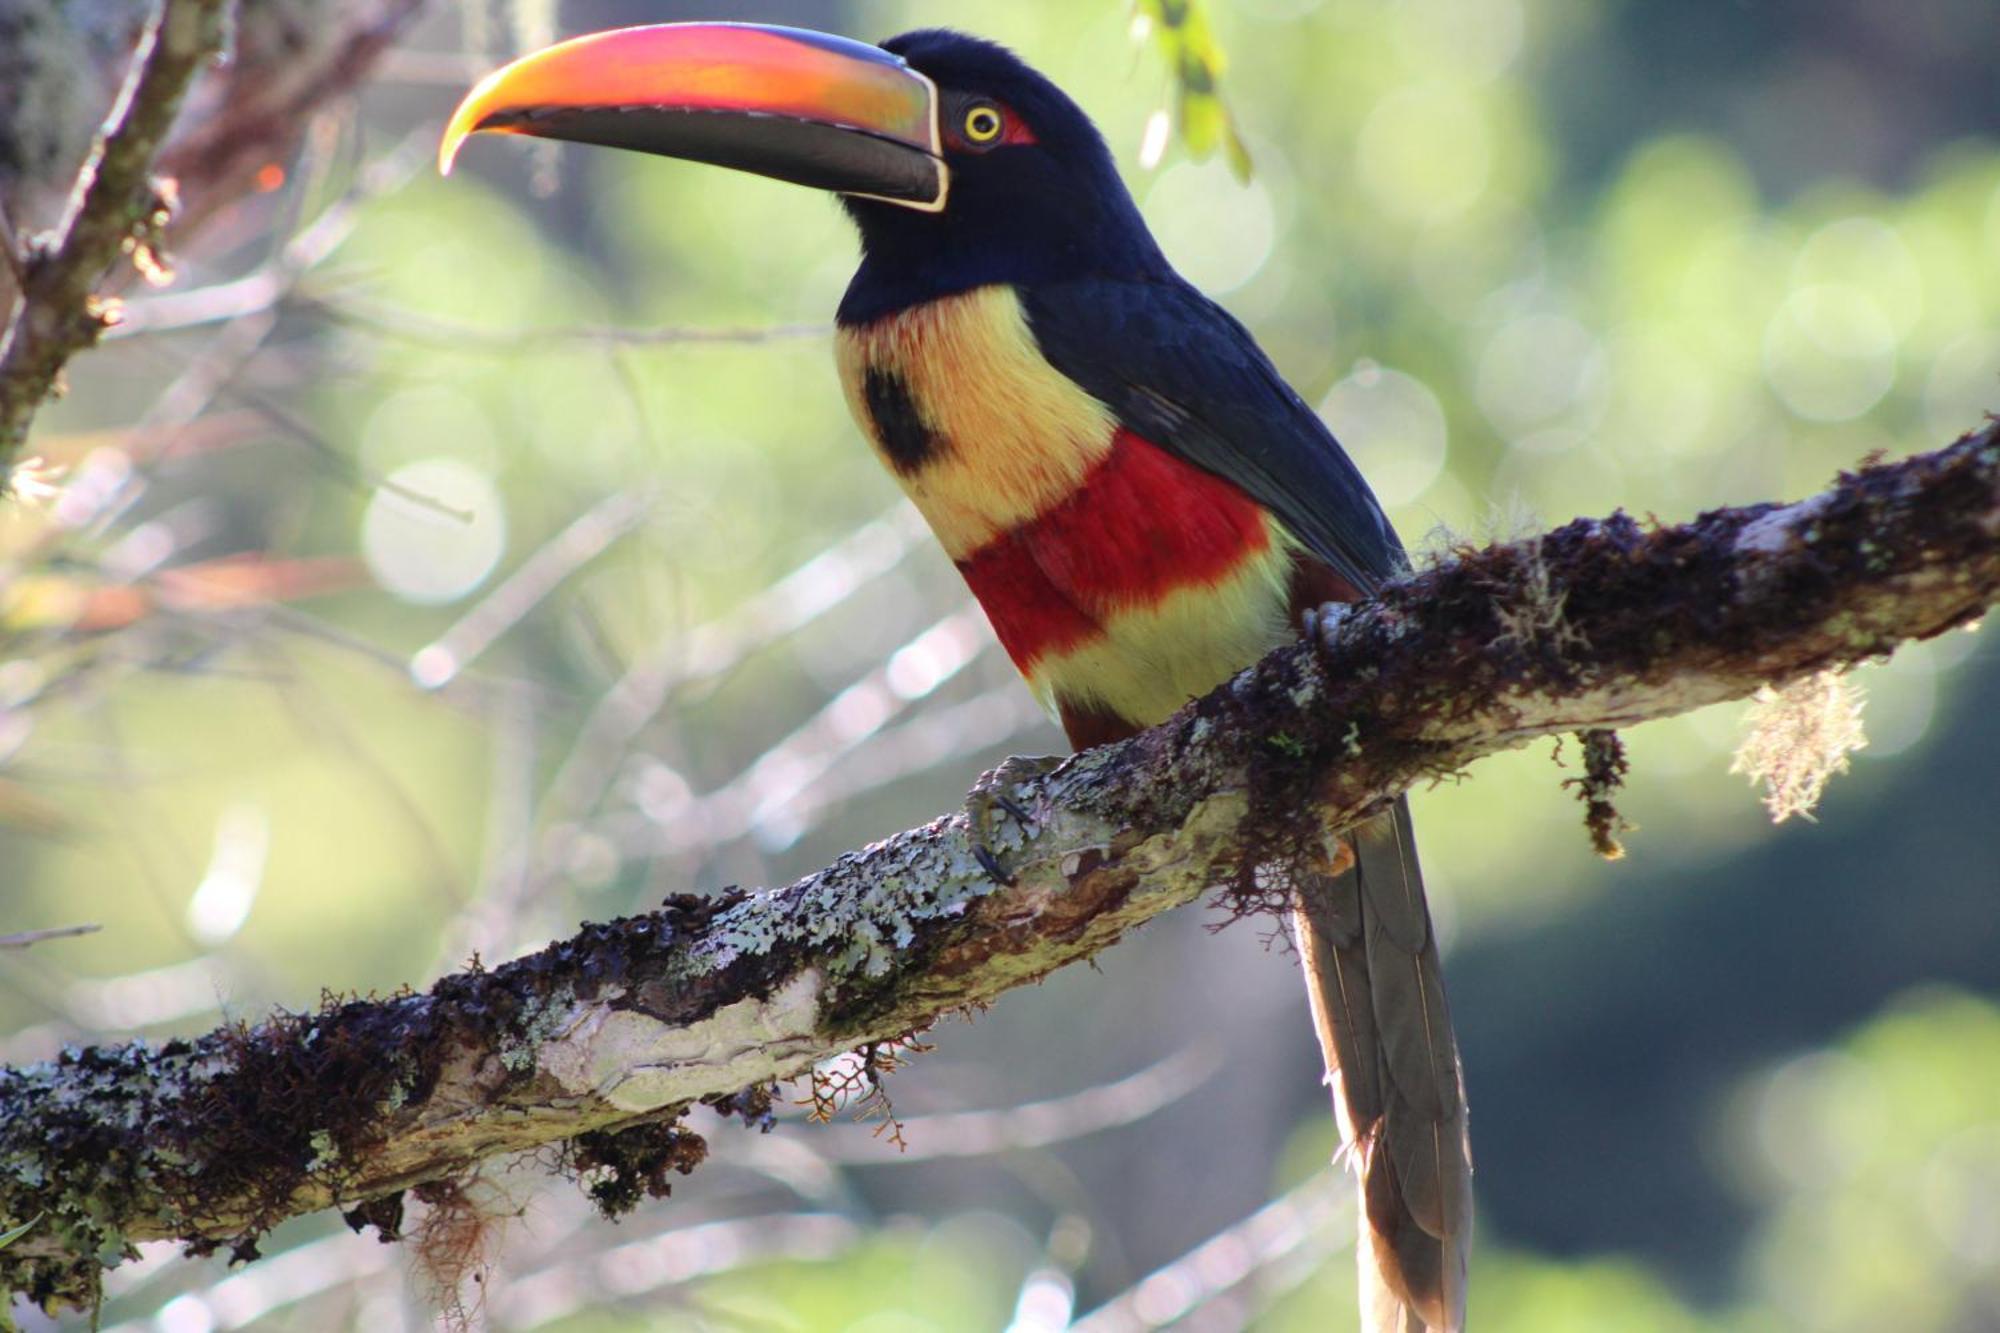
1179 371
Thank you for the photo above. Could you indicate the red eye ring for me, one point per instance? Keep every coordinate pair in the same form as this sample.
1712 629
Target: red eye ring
978 124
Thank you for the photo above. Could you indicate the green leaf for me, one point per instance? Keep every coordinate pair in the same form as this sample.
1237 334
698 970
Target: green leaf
1180 30
9 1237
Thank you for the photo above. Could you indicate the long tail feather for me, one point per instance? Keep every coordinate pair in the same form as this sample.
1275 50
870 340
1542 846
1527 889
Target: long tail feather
1378 1002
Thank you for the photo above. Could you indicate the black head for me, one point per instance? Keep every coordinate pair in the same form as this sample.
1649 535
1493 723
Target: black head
1034 193
962 166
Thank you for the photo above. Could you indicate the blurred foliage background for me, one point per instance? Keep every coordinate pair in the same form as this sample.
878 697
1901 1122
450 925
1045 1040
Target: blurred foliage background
440 563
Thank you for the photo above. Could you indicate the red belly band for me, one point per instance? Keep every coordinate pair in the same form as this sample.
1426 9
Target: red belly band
1143 524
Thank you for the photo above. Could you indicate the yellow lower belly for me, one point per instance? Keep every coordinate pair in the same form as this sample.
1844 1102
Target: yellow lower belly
1151 660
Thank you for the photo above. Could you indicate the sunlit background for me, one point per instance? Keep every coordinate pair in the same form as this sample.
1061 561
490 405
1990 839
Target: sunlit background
441 563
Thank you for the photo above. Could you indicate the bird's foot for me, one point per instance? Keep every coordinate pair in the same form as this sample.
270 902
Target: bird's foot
989 799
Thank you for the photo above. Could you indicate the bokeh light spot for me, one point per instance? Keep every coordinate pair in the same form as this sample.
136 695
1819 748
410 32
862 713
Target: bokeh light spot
1964 383
425 421
1217 232
1830 352
1867 255
1425 152
221 903
1392 426
1554 440
1153 143
1278 11
1663 398
1902 701
1479 38
1461 260
1961 1195
434 531
1535 369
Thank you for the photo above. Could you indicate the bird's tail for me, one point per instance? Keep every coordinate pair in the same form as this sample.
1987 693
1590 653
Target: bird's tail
1371 964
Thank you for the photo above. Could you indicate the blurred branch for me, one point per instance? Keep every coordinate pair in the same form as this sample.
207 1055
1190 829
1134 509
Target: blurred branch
239 145
588 536
615 1032
115 205
1002 715
23 939
813 750
687 657
1255 1250
557 1291
1025 1125
456 335
11 250
275 283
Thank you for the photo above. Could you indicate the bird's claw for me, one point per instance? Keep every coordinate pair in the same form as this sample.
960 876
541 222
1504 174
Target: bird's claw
1006 802
991 865
988 797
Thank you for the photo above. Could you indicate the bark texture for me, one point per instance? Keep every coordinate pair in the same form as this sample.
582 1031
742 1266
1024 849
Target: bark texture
116 207
605 1039
91 98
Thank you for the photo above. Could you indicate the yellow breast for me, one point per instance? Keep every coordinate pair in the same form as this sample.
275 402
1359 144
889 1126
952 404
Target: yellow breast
980 431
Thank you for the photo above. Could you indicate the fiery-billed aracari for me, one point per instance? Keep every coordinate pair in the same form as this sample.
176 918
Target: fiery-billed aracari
1139 502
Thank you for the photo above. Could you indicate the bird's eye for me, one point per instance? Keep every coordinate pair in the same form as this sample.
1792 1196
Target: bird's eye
983 123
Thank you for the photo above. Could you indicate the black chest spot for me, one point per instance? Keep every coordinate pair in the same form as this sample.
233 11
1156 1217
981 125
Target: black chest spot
899 428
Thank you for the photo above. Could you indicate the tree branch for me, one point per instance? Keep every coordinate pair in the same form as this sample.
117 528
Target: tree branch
1599 624
280 76
114 206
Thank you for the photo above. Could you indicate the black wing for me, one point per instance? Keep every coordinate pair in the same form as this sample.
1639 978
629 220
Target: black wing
1180 372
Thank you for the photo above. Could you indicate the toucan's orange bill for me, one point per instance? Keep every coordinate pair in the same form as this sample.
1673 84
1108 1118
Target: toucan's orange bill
801 106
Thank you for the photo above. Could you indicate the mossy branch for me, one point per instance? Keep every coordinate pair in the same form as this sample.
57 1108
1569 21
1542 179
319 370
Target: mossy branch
627 1024
117 207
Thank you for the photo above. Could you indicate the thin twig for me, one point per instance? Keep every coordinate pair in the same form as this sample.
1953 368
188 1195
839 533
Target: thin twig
338 461
684 657
1262 1241
266 104
671 1259
1006 714
23 939
588 536
488 924
759 793
273 284
10 246
431 331
950 1134
114 206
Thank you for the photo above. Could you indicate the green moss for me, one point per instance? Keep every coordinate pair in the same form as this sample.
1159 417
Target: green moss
1286 744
